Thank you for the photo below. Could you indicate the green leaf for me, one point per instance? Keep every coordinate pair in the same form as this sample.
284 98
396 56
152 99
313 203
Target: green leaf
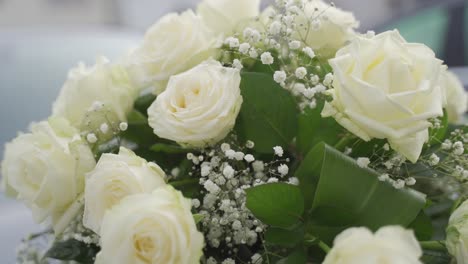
263 202
268 115
422 227
435 257
346 195
198 218
137 118
314 129
73 250
298 256
169 149
143 102
284 237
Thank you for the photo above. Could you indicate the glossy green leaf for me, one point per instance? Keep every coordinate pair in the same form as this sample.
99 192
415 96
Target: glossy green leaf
276 204
73 250
284 237
422 227
314 129
344 195
268 115
298 256
143 102
137 118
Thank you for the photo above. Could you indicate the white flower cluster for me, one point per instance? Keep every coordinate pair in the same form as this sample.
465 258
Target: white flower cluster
225 175
275 40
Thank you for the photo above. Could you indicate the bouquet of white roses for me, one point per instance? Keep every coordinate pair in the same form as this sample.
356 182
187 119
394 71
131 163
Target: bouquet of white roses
232 135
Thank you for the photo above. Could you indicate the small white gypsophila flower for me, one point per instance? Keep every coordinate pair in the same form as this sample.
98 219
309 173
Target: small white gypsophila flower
314 79
258 166
228 261
328 80
247 33
384 177
363 162
279 77
257 258
232 42
434 159
244 48
195 203
275 28
230 154
239 155
319 88
298 88
249 158
104 128
266 58
123 126
293 181
446 145
386 147
175 172
301 72
283 169
225 147
211 187
294 45
273 180
253 53
205 170
410 181
237 64
278 151
228 172
309 93
309 52
399 184
249 144
91 138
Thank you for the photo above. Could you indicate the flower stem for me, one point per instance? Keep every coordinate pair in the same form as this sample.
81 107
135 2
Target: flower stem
433 245
324 247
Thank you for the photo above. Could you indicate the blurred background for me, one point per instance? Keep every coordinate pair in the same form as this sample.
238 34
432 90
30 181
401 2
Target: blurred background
41 39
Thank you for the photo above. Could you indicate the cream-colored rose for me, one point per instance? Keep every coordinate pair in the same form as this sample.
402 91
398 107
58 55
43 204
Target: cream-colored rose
114 178
104 86
222 16
151 229
455 95
46 168
386 88
176 43
390 244
457 234
199 107
325 28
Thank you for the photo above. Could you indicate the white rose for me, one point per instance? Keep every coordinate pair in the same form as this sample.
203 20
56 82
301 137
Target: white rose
115 177
103 85
199 107
387 88
326 28
46 168
457 234
390 244
151 229
222 16
174 44
457 99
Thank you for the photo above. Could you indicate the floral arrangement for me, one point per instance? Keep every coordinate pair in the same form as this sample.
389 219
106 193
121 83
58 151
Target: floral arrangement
232 135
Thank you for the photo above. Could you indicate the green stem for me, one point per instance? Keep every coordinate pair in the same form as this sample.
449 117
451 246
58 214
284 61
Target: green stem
184 182
324 247
433 245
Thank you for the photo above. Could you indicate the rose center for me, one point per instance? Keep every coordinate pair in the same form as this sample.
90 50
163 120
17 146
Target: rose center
144 247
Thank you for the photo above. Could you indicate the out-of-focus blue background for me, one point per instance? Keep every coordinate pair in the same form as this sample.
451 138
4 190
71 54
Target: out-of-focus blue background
41 39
